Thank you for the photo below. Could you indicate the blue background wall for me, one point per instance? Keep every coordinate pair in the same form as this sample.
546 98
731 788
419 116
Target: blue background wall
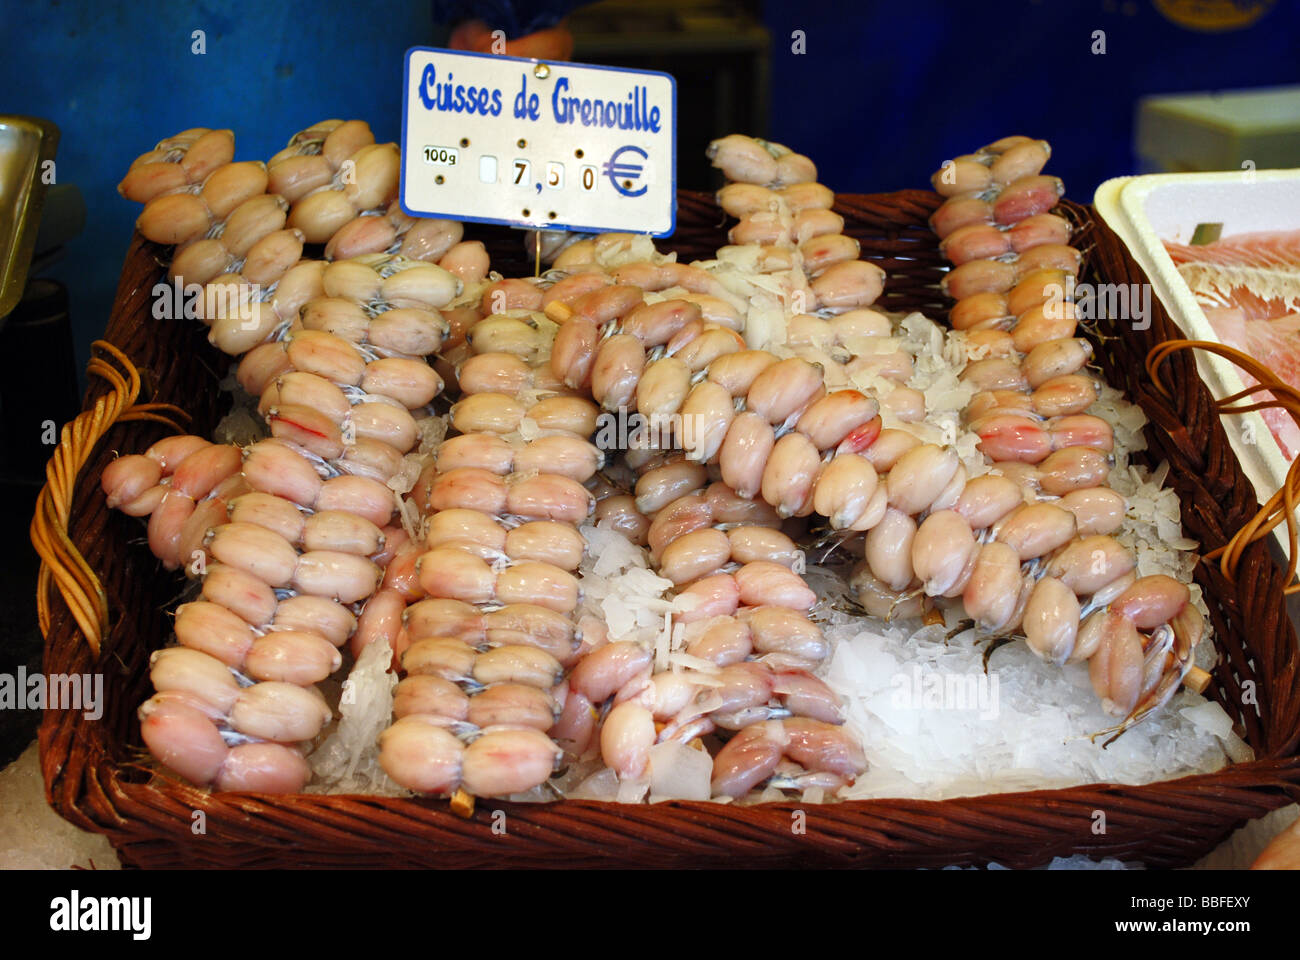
116 81
884 93
890 89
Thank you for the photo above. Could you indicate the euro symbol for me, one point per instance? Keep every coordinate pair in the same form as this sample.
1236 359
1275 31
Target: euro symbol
621 175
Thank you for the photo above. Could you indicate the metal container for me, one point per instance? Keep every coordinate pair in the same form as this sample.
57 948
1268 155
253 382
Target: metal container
27 147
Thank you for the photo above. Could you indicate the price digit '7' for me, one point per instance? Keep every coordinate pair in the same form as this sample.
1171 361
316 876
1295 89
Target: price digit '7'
520 169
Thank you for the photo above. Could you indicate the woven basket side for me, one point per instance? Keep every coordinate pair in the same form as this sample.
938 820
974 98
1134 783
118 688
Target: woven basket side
176 365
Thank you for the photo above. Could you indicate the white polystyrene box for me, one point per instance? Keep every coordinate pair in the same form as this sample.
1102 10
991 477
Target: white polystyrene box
1146 210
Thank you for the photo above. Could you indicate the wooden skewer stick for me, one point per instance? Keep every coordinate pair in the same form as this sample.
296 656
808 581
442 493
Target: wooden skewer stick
557 311
462 803
1197 680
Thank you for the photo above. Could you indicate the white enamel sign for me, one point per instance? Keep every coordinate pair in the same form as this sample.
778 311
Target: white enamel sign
538 143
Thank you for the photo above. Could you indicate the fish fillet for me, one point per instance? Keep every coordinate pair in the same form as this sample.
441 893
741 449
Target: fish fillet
1248 285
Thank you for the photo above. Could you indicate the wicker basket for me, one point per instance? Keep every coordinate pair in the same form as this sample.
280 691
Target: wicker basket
96 776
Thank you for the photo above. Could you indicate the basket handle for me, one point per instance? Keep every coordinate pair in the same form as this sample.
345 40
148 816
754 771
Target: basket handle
61 563
1281 507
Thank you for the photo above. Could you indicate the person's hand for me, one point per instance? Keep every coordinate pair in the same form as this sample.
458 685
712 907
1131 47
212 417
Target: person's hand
555 43
1283 853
